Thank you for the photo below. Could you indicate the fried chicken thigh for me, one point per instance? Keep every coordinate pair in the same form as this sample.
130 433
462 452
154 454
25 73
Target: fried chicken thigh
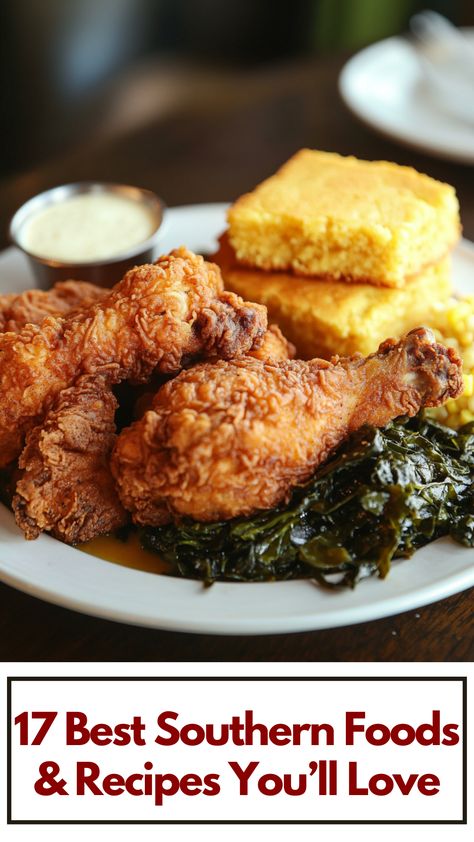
33 305
156 317
66 487
231 438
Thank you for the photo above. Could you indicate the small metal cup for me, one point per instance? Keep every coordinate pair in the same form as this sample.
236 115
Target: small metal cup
104 273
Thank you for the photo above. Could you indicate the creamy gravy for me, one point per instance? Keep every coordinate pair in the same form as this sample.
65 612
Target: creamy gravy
94 226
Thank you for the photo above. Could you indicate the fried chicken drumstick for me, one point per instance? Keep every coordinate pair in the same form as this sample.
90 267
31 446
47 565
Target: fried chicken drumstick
156 317
66 486
231 438
33 305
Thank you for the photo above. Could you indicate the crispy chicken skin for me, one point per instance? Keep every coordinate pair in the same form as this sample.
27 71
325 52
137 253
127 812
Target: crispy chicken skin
65 486
154 318
274 346
33 305
231 438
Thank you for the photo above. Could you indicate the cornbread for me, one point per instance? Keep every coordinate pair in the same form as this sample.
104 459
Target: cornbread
323 318
454 326
327 215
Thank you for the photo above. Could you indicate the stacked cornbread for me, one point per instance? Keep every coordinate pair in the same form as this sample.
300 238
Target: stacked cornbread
343 253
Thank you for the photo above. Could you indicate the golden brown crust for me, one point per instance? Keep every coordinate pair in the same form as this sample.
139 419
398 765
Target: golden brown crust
33 305
274 346
156 317
229 439
65 486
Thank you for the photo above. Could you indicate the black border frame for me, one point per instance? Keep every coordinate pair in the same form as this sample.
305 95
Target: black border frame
10 821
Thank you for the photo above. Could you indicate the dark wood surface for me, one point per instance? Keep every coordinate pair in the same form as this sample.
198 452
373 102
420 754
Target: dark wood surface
213 151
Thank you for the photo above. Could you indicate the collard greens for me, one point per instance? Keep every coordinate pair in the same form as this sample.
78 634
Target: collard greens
384 493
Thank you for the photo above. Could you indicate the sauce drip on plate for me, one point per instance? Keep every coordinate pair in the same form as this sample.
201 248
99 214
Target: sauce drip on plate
126 553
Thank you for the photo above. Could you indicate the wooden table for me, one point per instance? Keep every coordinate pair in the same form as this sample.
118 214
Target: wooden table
214 151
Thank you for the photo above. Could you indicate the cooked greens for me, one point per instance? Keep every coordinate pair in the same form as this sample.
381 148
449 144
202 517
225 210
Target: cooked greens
385 493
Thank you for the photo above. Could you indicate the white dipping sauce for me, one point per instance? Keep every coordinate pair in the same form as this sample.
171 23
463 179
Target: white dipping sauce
84 228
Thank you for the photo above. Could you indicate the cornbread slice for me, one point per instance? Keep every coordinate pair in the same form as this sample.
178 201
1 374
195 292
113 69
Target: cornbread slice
327 215
323 318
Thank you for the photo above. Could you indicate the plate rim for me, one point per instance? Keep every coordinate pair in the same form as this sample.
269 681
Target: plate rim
344 615
383 609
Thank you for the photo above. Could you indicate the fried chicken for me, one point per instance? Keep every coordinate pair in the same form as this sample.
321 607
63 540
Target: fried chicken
231 438
33 305
66 487
156 317
274 346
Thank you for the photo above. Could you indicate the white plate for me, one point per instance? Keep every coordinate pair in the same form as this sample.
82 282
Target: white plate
384 86
60 574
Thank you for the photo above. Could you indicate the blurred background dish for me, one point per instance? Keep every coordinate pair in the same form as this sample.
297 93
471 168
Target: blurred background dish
446 56
86 71
386 86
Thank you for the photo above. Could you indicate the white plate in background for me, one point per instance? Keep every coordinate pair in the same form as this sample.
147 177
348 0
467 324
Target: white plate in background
384 86
50 570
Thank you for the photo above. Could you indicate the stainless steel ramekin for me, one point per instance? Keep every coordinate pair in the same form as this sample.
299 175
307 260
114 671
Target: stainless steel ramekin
107 272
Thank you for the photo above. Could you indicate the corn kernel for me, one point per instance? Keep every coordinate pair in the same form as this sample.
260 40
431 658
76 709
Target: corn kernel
466 416
468 385
454 326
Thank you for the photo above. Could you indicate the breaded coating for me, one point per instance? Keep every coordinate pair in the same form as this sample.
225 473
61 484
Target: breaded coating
65 486
232 438
341 218
156 317
274 346
33 305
